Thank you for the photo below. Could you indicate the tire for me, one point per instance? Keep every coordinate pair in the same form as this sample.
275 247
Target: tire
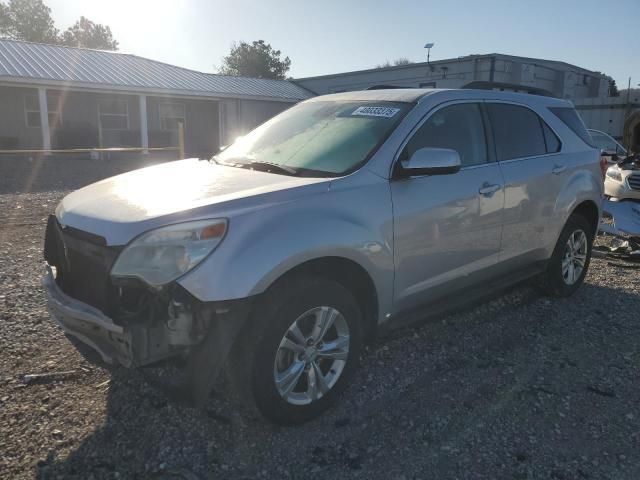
558 281
263 352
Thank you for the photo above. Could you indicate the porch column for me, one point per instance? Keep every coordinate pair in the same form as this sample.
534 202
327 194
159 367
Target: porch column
144 134
44 119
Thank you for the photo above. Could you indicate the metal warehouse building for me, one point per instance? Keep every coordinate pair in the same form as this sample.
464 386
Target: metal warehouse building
492 71
588 90
54 97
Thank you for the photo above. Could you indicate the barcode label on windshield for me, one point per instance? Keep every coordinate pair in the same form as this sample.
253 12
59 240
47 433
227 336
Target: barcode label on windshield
386 112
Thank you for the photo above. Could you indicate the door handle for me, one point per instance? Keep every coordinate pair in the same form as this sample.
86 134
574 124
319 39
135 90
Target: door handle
558 169
489 189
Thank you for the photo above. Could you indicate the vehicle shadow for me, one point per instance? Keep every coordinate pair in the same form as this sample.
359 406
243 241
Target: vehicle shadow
520 386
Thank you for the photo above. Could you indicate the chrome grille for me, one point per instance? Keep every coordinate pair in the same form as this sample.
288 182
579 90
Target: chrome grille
634 181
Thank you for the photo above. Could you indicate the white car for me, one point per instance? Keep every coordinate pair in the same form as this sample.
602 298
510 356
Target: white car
622 178
622 181
608 145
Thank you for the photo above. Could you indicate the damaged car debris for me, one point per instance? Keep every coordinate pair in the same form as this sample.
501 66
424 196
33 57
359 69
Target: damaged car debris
620 222
620 229
161 321
279 257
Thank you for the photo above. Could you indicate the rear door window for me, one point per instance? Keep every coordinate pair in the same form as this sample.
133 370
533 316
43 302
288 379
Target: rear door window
458 127
517 131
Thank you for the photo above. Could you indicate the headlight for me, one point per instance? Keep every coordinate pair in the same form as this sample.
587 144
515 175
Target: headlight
614 173
162 255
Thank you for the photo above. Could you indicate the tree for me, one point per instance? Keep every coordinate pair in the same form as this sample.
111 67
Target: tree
386 64
85 33
31 20
613 88
257 59
28 20
396 63
402 61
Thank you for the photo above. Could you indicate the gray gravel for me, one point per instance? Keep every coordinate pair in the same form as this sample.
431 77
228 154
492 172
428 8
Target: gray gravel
520 387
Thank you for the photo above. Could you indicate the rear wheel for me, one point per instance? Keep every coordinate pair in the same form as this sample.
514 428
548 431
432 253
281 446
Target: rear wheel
569 262
306 351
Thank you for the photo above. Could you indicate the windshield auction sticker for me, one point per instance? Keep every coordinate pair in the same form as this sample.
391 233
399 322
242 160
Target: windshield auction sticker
386 112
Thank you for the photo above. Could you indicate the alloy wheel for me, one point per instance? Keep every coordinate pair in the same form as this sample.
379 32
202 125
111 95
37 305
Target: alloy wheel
575 257
311 355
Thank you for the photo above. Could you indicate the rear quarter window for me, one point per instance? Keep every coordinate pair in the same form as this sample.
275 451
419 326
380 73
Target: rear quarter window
550 138
571 119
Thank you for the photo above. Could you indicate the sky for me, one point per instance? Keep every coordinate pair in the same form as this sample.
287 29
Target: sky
332 36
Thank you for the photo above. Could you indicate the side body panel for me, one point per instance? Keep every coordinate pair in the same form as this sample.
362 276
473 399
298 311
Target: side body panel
542 191
530 216
444 230
352 220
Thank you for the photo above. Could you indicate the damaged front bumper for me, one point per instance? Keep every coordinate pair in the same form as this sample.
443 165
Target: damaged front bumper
206 346
88 324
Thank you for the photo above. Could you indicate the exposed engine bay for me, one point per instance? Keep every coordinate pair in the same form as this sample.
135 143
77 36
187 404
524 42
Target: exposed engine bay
141 324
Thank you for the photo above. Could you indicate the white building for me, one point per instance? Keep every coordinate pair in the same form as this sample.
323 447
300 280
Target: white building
493 71
617 116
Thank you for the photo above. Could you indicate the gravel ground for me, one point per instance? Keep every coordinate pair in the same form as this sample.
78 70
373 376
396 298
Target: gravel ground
520 387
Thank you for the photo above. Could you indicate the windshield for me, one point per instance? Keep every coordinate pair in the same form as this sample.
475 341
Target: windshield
326 138
605 142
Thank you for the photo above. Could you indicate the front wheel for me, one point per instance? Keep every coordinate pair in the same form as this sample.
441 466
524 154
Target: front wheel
569 262
307 350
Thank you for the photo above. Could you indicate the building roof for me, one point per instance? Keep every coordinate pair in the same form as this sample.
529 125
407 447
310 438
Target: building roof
500 56
37 63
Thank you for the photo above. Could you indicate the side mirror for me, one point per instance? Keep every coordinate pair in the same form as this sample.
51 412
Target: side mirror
432 161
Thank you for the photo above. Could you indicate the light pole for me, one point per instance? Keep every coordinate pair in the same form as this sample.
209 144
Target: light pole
428 46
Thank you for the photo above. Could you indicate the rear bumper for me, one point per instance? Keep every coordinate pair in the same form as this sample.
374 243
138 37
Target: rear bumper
87 324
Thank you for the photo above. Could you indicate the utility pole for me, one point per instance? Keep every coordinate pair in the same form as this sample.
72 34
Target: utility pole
625 137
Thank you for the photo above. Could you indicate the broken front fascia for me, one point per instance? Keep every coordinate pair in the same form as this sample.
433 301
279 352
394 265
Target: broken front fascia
174 324
621 219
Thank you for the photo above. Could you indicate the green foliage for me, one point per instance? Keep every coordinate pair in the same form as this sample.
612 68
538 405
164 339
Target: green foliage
30 20
613 89
258 60
85 33
397 62
402 61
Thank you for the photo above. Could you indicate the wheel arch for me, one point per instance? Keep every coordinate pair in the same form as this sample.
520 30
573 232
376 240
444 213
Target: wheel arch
589 210
348 273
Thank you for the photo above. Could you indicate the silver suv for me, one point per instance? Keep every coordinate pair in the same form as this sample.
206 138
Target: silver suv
278 258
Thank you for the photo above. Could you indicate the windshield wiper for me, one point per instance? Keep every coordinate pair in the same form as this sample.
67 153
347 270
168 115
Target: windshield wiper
243 162
268 166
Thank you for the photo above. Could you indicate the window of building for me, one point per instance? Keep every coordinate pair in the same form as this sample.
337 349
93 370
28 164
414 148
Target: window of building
114 114
32 110
427 85
458 127
170 115
517 131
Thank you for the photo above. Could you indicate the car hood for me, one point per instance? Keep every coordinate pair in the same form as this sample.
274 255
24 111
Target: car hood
121 207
